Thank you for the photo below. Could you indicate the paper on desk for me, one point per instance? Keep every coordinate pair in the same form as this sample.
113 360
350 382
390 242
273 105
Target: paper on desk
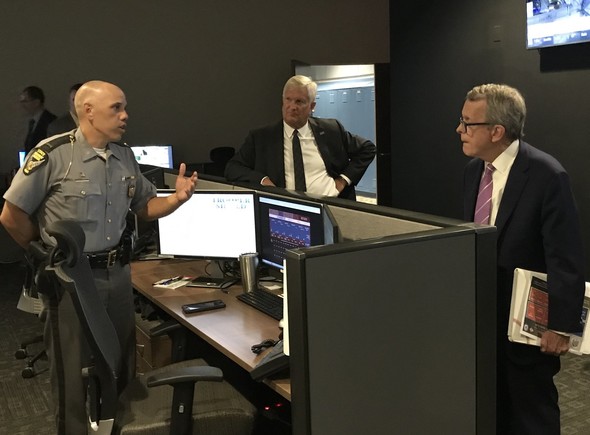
173 282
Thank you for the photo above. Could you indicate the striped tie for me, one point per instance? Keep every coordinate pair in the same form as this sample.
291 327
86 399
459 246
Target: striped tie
483 207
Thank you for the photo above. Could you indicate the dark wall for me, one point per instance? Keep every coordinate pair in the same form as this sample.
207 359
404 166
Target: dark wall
197 74
440 52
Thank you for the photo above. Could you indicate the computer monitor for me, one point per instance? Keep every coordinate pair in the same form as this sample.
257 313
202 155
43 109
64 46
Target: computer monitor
155 155
288 223
211 224
21 158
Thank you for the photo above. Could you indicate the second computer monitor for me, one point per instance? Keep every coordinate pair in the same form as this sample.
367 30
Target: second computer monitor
287 223
211 224
154 155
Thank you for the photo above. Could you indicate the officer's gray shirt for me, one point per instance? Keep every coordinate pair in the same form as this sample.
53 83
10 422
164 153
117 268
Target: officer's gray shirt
94 192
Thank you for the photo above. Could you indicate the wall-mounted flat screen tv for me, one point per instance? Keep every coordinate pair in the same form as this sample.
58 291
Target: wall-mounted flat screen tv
557 22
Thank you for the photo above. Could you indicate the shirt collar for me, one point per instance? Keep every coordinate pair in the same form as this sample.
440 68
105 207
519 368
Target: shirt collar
504 161
37 116
304 131
88 151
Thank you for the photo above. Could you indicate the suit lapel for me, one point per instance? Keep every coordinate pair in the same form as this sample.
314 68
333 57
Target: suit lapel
319 135
277 154
515 184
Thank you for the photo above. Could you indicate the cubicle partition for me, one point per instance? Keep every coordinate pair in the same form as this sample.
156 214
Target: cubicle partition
394 329
394 334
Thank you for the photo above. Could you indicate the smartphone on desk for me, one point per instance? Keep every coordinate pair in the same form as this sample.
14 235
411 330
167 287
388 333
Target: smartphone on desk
199 307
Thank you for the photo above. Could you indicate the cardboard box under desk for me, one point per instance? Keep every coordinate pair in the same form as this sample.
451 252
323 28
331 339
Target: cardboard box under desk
151 352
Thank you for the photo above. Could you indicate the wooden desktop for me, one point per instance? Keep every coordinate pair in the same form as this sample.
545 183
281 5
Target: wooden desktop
231 330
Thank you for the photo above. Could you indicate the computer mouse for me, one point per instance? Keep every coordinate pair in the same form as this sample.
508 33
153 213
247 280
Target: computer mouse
228 283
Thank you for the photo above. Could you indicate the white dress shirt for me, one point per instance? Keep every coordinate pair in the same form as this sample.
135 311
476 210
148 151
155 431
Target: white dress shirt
503 164
317 180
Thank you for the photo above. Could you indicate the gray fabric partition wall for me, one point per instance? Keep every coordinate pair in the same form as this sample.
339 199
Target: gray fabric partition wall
394 335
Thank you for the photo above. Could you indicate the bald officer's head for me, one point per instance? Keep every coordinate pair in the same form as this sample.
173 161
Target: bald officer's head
100 107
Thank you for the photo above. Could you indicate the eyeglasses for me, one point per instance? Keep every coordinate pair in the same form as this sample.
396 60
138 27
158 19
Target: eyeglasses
471 124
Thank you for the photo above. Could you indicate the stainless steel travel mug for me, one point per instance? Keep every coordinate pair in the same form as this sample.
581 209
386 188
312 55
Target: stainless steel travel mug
249 271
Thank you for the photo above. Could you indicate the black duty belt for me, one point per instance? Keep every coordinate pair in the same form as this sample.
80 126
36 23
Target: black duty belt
107 259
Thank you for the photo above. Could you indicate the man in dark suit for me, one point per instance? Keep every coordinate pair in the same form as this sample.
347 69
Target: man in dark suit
32 100
538 229
67 121
302 153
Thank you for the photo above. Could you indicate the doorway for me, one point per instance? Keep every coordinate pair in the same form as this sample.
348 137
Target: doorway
347 93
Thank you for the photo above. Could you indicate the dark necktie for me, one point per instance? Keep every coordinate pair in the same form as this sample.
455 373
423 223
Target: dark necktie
483 207
298 163
31 125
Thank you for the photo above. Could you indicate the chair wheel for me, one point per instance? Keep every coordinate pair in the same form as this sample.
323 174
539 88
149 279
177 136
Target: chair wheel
28 372
20 354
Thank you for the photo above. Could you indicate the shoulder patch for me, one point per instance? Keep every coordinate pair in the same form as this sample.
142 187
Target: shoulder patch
39 156
35 160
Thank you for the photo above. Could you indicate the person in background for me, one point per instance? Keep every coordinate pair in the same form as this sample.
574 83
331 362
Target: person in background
85 175
301 152
32 100
68 121
526 194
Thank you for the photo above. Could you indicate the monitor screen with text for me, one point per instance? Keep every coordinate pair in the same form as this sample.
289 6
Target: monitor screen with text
211 224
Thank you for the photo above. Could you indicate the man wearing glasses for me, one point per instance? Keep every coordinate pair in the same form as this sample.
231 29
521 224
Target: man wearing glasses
526 194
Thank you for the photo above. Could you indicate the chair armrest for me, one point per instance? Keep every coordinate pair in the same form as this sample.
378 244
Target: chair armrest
186 374
178 336
165 328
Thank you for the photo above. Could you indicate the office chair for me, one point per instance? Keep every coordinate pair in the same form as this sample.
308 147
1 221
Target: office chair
143 407
29 301
219 157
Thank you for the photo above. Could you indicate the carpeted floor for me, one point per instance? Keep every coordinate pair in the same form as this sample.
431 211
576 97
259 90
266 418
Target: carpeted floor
25 403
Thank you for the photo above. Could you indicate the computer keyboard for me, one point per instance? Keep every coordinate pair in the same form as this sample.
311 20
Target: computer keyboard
267 302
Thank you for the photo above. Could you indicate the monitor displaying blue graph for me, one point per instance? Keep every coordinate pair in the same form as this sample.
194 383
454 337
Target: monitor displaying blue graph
287 223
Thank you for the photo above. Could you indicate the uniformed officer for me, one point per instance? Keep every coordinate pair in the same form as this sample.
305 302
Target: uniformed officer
84 175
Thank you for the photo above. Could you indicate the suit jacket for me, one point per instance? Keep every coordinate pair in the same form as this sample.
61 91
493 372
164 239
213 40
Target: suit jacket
40 131
537 229
262 154
62 124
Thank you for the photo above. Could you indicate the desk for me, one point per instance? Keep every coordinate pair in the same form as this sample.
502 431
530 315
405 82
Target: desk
231 330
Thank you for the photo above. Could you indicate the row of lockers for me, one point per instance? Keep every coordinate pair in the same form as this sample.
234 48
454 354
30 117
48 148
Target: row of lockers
355 109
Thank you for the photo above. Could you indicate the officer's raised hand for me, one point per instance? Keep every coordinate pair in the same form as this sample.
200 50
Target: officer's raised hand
185 186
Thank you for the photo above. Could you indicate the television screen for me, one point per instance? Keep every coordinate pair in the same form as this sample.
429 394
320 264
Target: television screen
557 22
211 224
287 223
154 155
